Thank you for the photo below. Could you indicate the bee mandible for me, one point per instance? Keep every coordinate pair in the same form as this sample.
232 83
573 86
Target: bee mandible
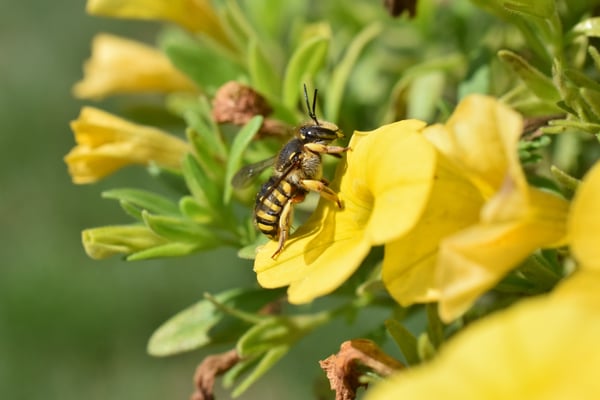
297 170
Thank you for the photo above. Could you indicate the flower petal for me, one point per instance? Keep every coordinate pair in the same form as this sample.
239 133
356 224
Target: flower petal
481 137
319 257
107 143
120 66
390 174
409 265
473 260
194 15
584 221
542 348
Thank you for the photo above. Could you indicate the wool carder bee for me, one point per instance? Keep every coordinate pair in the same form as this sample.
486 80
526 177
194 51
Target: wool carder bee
297 170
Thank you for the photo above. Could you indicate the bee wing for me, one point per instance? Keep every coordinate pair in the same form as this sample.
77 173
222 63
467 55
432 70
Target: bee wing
244 176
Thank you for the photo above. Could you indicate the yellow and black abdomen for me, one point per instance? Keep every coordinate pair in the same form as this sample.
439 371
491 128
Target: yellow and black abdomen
270 203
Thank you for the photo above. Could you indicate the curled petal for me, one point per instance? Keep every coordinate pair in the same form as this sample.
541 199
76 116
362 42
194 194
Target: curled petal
474 260
584 221
122 66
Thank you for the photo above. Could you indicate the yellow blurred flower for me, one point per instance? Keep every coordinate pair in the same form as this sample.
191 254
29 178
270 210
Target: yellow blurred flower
479 227
195 15
120 66
584 221
542 348
106 143
390 173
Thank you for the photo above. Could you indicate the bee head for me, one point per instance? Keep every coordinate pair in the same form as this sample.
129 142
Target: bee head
324 132
319 131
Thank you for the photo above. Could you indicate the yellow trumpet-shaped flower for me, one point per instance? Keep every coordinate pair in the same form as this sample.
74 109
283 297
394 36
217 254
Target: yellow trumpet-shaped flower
584 221
120 66
475 232
541 348
389 176
106 143
194 15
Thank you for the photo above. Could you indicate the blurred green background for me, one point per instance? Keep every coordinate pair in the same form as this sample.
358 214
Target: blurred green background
71 327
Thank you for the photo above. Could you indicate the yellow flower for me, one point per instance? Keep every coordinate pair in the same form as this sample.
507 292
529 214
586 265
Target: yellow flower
194 15
389 175
542 348
584 221
125 66
106 143
479 227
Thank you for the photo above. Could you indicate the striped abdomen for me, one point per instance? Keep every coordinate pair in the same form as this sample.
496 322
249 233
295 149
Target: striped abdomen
270 203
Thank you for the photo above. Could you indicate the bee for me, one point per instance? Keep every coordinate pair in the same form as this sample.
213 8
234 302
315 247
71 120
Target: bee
297 170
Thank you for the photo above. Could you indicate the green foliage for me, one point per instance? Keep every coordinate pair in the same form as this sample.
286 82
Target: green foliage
538 57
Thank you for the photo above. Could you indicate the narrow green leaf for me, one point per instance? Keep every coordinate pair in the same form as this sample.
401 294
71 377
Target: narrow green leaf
566 181
537 8
435 327
205 66
592 99
178 229
343 69
201 186
541 85
262 72
242 367
234 161
304 63
190 208
189 329
207 137
593 52
143 200
405 340
167 250
265 364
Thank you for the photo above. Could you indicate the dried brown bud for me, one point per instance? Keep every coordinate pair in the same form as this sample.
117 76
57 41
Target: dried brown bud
237 104
343 369
208 370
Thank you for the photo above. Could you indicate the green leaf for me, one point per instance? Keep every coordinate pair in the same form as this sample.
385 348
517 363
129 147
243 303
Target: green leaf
304 63
435 327
178 229
592 99
405 340
589 27
173 249
205 66
541 85
234 161
205 323
202 187
189 329
536 8
566 181
206 135
190 208
143 200
263 76
266 362
341 73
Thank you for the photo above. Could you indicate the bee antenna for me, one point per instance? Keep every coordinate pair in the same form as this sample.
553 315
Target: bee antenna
311 110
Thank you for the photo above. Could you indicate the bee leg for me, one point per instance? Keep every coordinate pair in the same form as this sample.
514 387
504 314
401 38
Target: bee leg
284 227
321 188
324 149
